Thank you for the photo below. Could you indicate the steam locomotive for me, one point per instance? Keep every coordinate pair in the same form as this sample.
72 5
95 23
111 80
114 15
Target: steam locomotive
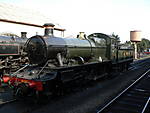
12 52
55 61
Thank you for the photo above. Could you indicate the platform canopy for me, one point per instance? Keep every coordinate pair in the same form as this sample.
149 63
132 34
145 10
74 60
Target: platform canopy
18 15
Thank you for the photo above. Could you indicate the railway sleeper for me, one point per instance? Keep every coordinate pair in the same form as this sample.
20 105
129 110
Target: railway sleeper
119 109
126 103
129 106
134 92
132 99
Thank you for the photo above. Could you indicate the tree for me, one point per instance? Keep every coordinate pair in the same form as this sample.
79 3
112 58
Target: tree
143 45
128 42
116 36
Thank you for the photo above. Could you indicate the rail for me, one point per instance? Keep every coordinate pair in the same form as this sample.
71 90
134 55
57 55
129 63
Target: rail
104 109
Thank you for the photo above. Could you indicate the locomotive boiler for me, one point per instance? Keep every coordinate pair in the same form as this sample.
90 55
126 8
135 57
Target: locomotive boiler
55 61
12 51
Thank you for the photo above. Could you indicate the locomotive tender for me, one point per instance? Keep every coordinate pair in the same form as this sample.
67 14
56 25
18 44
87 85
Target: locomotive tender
55 61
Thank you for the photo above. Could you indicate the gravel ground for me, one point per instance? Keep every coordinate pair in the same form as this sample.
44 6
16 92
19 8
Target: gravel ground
5 94
85 99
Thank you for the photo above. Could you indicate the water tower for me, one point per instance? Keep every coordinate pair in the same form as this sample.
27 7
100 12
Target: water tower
135 37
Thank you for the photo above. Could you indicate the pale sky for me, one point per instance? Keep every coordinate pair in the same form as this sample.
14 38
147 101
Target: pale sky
90 16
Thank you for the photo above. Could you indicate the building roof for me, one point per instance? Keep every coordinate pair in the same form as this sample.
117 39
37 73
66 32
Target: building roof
19 14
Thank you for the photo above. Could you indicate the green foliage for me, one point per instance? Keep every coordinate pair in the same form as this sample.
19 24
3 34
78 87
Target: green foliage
128 43
115 36
143 45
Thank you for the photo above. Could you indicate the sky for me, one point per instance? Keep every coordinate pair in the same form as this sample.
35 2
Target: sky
91 16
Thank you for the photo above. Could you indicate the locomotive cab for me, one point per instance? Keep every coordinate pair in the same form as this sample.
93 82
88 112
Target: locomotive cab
103 45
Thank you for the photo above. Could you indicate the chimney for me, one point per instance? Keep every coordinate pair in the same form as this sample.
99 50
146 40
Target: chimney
81 35
49 29
23 34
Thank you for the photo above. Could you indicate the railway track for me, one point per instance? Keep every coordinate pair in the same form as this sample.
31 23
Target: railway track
134 99
7 102
6 96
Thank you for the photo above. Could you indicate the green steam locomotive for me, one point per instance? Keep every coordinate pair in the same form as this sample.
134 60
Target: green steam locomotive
55 61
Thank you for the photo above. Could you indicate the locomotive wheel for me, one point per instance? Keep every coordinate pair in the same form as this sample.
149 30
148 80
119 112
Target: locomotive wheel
40 98
59 89
21 90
